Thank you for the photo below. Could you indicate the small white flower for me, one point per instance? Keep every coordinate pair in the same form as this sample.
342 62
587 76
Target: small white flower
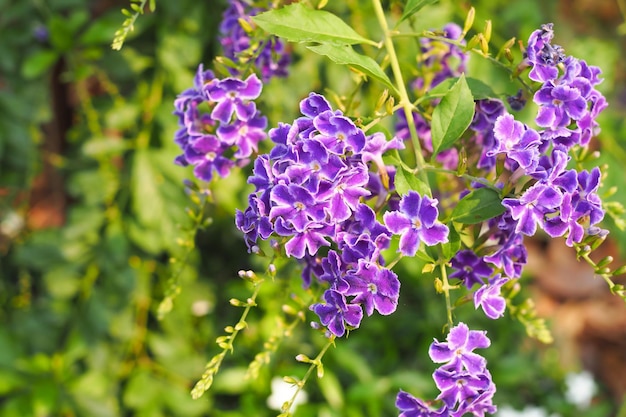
580 389
529 411
282 392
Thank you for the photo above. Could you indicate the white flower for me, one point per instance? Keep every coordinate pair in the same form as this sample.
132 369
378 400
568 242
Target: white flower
282 392
580 389
529 411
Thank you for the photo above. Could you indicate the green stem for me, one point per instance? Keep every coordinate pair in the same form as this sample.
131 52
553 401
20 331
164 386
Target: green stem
446 291
404 97
480 180
315 363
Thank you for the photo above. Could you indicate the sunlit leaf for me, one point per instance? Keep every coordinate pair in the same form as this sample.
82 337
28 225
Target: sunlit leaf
452 116
298 23
345 55
476 207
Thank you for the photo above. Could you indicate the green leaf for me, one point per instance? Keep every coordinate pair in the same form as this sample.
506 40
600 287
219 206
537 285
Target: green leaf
406 181
38 63
479 205
452 116
101 31
414 6
345 55
298 23
479 89
453 245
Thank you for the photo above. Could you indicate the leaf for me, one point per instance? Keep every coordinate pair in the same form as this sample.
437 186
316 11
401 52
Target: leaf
479 89
345 55
452 116
38 63
414 6
406 181
479 205
298 23
453 245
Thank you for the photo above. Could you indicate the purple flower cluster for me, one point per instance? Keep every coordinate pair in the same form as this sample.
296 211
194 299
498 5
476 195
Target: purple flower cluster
227 134
463 378
309 192
559 200
269 54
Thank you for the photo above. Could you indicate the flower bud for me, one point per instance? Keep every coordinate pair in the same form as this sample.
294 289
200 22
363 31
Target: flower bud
469 21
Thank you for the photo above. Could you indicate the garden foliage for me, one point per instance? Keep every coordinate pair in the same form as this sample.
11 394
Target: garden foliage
371 177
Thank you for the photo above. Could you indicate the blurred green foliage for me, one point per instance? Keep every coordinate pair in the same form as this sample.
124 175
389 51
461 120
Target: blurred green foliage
79 327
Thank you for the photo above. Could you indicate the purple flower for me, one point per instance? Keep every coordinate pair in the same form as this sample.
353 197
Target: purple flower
511 253
362 237
296 205
559 105
489 299
333 272
338 134
245 136
234 96
335 313
416 221
344 193
469 268
532 207
409 406
205 154
375 287
457 353
542 55
254 221
517 141
459 387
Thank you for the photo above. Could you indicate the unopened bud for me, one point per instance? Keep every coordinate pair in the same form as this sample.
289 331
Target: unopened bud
389 105
484 44
381 100
473 42
487 31
245 25
469 21
604 262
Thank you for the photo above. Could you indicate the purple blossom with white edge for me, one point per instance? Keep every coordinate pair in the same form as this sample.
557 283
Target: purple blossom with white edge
517 141
416 221
234 96
335 313
488 297
533 206
375 287
457 351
